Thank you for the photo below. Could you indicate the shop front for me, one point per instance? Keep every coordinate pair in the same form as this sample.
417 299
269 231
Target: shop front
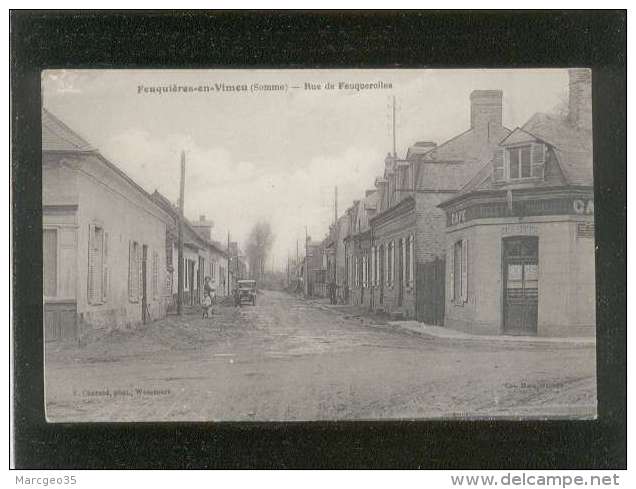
521 263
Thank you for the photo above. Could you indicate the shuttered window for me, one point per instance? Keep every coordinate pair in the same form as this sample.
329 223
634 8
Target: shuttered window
457 271
519 162
134 271
365 271
411 260
459 276
49 265
403 246
391 264
105 268
96 264
526 161
538 160
498 166
155 274
407 261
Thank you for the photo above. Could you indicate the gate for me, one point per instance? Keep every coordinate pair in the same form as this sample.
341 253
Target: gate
430 292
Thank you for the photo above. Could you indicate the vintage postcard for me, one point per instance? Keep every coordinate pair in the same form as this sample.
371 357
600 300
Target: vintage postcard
304 245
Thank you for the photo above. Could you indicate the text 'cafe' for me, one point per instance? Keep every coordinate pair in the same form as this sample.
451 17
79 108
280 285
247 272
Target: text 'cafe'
520 237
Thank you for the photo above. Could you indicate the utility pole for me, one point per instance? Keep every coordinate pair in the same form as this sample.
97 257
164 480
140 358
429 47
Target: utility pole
180 237
229 262
394 137
335 234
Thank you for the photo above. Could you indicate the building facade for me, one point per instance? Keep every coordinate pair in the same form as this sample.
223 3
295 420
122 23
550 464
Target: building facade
520 234
103 241
202 257
408 241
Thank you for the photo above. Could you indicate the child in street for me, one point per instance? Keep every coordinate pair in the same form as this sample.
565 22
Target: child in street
208 298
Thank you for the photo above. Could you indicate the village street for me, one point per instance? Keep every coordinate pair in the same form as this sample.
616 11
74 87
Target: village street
292 359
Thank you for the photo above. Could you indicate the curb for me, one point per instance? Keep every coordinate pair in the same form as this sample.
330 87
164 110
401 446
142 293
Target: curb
428 331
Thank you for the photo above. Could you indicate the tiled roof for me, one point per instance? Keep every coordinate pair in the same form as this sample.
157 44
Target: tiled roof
573 147
452 164
57 136
443 176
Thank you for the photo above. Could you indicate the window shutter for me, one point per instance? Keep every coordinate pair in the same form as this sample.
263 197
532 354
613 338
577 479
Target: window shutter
139 273
154 274
105 276
91 264
404 264
464 270
411 261
130 270
451 275
393 262
538 160
498 174
372 265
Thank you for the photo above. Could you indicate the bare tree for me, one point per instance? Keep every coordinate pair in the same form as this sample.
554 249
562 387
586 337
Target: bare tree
259 244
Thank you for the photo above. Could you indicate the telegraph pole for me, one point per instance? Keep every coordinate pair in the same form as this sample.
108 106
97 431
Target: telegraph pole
229 262
394 137
180 237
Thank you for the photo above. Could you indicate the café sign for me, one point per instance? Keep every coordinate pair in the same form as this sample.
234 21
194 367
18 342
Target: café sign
583 206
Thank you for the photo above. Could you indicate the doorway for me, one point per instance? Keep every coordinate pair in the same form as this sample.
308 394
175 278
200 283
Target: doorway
520 285
191 280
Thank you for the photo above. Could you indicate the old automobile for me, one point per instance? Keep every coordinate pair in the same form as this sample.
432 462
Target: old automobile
246 292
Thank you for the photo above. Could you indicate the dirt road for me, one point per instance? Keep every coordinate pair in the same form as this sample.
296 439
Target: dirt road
289 359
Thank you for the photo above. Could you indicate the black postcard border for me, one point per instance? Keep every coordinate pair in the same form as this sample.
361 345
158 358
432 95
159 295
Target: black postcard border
291 39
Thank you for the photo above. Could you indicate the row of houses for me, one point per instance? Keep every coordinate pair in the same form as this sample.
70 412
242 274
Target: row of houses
110 256
490 232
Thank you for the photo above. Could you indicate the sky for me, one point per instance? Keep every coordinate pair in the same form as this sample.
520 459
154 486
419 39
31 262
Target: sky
277 155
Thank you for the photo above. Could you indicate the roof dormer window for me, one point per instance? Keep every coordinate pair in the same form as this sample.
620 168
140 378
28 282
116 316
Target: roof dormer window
519 164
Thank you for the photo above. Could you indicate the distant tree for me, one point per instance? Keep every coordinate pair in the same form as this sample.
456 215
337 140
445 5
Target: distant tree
259 244
561 109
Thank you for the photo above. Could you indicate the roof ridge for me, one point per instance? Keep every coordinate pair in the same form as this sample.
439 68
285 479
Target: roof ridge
84 146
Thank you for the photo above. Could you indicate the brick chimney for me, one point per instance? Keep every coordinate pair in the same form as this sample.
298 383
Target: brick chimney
486 108
580 99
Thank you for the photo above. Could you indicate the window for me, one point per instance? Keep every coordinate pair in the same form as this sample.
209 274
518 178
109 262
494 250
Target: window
376 264
134 271
410 260
365 271
459 269
391 264
519 162
155 274
97 280
373 262
402 257
49 268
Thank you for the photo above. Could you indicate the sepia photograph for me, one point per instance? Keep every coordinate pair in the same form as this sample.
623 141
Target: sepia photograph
318 244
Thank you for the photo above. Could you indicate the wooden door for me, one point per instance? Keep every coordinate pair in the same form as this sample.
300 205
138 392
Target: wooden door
520 285
191 280
430 288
